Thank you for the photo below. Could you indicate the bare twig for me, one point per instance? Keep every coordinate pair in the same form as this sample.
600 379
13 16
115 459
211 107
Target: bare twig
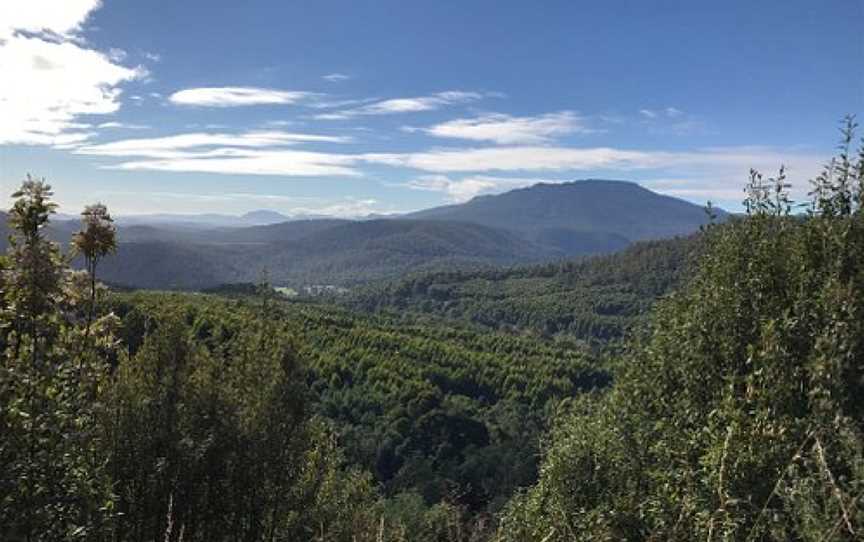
795 457
838 494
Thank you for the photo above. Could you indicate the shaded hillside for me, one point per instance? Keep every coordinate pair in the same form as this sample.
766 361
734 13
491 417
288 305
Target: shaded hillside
345 254
556 214
271 233
594 299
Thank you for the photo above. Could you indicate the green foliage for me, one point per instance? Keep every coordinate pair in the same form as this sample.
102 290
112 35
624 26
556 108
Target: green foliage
452 415
53 485
170 436
212 439
740 417
594 300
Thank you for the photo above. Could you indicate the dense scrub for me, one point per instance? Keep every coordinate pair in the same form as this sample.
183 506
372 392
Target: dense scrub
167 438
741 416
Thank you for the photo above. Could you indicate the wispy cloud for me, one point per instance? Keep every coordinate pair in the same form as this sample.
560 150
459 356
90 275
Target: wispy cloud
406 105
460 190
177 146
670 120
507 129
42 53
588 159
667 112
236 96
288 163
248 153
122 126
336 77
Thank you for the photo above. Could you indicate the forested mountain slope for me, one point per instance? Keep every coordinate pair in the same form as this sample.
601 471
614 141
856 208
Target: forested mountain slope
596 298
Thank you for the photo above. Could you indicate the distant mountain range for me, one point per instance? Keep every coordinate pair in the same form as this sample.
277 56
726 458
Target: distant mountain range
543 222
252 218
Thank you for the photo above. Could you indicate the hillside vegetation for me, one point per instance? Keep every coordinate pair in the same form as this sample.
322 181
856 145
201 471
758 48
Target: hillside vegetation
596 299
741 416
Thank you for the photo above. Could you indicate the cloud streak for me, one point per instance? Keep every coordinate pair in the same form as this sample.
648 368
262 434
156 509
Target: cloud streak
506 129
336 77
405 105
237 96
178 145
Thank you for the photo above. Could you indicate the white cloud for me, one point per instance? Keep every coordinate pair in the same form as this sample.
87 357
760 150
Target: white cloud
534 158
236 96
670 112
406 105
523 158
251 162
460 190
178 146
122 125
56 79
506 129
336 77
250 153
713 172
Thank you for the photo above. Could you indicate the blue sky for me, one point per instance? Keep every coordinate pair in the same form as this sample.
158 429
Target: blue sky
357 107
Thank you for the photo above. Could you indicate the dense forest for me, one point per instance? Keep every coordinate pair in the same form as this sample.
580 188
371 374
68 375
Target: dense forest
730 408
592 300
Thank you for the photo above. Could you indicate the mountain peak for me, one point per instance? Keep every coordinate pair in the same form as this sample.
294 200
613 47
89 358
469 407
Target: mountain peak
600 206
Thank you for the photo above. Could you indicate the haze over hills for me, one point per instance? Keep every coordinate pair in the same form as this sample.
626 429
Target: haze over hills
257 217
319 252
544 222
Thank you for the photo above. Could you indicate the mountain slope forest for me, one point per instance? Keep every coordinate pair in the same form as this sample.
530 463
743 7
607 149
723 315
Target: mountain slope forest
595 300
729 405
